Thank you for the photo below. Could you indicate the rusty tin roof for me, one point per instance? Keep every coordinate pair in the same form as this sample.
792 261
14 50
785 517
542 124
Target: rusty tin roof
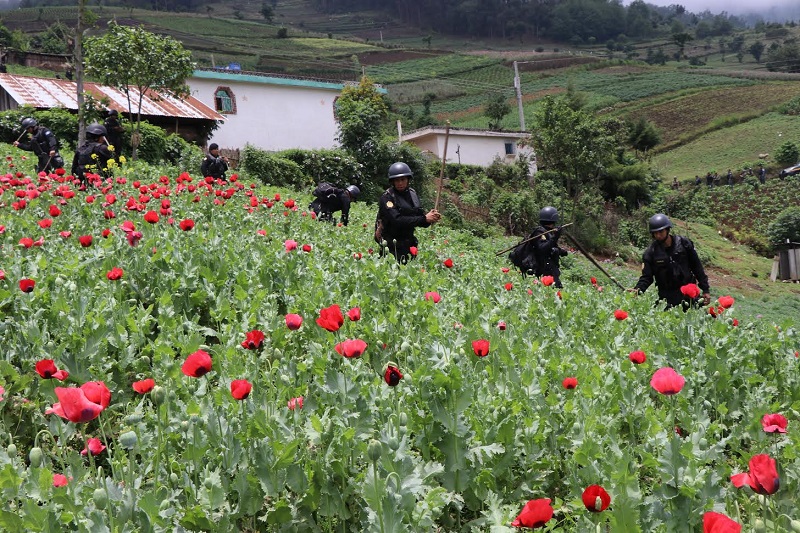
48 92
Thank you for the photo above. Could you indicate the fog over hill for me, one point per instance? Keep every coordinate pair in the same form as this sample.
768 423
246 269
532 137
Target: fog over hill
771 10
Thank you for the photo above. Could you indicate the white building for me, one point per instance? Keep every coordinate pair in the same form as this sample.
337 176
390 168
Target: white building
471 146
269 111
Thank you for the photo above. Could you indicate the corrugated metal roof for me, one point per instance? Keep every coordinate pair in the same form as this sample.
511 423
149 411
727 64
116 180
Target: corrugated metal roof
48 92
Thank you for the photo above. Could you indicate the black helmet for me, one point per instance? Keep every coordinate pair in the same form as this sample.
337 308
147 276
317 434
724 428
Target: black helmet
29 123
548 214
98 130
399 170
113 112
658 222
353 190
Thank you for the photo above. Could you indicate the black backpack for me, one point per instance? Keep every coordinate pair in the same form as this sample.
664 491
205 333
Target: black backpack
523 258
324 190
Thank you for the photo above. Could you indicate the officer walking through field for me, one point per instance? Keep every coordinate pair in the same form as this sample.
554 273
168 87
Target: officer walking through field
400 212
43 143
213 164
545 245
93 155
672 261
330 199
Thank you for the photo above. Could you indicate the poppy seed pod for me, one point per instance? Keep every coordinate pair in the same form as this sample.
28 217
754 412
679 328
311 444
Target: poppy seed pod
158 395
36 456
374 450
11 450
128 440
100 498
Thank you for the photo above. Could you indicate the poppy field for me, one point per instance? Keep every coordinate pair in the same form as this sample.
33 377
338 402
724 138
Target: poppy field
183 354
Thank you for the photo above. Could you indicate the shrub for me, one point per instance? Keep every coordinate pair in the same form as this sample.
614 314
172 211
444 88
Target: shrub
335 166
787 153
153 144
283 33
182 153
272 169
792 107
785 227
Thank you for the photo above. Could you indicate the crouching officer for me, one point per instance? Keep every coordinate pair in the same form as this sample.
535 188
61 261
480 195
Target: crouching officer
673 262
43 143
332 199
400 212
93 155
545 245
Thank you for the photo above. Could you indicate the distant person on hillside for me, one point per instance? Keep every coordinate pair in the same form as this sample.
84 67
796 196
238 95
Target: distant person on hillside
329 199
697 180
213 164
672 261
730 178
762 175
709 179
43 143
675 184
400 213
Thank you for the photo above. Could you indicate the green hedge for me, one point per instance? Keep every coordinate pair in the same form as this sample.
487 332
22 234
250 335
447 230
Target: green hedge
272 169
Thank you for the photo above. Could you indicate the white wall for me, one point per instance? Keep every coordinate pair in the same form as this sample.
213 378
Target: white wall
474 150
272 117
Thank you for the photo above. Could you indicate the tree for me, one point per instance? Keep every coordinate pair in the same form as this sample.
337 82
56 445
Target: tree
785 227
787 154
680 39
496 109
267 12
643 135
572 143
756 49
133 58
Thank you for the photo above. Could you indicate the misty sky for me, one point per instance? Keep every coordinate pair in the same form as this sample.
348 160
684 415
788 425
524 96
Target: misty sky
789 8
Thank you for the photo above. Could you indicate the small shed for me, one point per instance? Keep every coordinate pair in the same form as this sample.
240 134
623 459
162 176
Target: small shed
189 117
787 264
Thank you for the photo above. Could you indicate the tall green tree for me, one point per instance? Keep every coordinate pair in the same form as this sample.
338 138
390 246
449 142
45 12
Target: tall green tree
756 49
573 143
496 109
133 58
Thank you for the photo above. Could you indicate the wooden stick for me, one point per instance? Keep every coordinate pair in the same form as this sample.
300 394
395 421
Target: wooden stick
444 162
593 261
529 239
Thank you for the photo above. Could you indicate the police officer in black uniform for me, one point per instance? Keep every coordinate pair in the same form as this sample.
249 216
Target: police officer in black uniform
545 245
400 212
213 164
114 132
93 155
336 200
673 262
43 143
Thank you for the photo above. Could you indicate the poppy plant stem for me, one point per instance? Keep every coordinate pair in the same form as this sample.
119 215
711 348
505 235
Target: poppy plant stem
109 448
224 448
378 494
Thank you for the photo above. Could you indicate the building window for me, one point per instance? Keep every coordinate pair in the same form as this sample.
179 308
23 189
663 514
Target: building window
225 101
510 148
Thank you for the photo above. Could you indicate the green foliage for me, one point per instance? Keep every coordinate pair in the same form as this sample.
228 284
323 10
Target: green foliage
182 154
792 107
53 40
643 135
283 32
335 166
630 182
785 227
153 145
497 108
784 58
61 122
361 111
272 169
788 153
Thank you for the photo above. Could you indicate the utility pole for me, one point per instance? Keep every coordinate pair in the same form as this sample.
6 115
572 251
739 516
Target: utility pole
518 88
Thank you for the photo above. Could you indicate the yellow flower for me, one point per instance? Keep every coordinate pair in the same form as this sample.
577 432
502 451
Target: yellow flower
122 159
94 156
110 147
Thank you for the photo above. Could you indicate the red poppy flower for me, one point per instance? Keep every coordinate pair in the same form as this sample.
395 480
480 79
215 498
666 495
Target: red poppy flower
290 245
735 322
74 406
295 403
357 256
186 225
690 290
619 314
27 242
45 223
593 280
114 274
762 478
134 237
570 382
85 240
47 369
716 311
144 386
413 251
509 286
392 376
501 326
433 295
151 217
59 480
505 270
253 339
667 381
240 389
97 392
725 301
354 314
307 248
106 232
596 499
774 423
719 523
638 357
351 348
197 364
536 513
93 446
331 318
26 285
293 321
448 263
548 280
480 347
